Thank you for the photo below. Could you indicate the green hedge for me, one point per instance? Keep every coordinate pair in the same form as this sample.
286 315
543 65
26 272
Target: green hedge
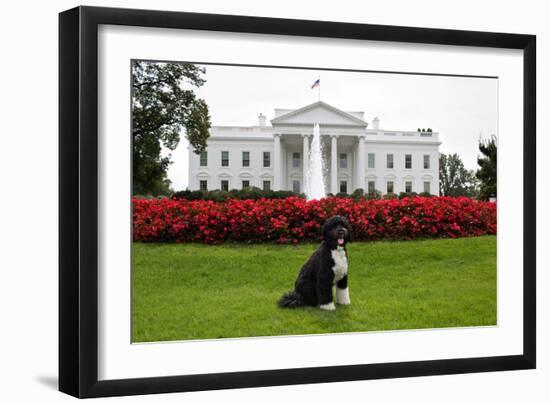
257 193
220 196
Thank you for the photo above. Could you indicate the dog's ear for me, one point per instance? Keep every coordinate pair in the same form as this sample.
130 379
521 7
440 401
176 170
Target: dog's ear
324 229
329 223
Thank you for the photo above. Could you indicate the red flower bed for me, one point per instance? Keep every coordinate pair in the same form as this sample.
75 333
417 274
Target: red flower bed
293 219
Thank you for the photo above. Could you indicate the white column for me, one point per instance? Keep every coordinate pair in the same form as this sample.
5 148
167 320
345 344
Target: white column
334 165
434 186
277 162
305 163
354 171
361 166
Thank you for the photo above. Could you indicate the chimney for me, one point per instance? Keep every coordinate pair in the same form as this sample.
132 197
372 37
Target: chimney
376 123
261 120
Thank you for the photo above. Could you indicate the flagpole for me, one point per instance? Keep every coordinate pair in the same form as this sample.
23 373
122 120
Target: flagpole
319 87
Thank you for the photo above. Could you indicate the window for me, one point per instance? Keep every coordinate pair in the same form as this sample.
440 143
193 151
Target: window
427 187
389 187
371 188
203 185
371 161
389 160
204 158
246 184
296 160
225 185
408 186
344 187
426 161
343 160
267 185
246 159
408 160
296 186
267 159
225 159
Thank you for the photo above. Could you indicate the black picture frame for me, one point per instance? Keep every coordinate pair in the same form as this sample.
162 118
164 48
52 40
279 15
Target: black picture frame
78 201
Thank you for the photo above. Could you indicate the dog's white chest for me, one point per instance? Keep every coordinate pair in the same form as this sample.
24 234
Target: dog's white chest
340 267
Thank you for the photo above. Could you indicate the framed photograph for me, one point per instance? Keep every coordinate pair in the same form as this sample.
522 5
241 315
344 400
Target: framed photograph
250 201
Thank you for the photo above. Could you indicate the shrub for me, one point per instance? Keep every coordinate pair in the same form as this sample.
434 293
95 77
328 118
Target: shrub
407 195
292 219
376 194
358 193
221 196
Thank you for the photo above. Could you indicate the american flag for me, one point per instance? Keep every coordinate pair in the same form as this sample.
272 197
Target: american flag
316 84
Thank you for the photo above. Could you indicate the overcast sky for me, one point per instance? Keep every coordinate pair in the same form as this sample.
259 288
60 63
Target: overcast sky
461 109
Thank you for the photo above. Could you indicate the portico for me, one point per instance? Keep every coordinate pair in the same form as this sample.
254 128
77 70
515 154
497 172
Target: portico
343 159
340 134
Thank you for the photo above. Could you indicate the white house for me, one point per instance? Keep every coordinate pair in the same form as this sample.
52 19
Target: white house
355 156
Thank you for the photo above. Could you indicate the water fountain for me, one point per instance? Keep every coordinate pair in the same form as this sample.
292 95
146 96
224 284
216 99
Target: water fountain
315 186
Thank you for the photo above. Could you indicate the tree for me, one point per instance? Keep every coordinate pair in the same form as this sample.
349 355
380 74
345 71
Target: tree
487 172
454 178
163 105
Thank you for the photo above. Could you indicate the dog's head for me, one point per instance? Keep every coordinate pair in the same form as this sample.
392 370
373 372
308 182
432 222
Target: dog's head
336 231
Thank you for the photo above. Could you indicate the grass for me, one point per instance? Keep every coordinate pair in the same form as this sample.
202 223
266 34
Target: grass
193 291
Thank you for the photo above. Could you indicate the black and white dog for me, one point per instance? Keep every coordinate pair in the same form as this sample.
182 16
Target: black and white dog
327 266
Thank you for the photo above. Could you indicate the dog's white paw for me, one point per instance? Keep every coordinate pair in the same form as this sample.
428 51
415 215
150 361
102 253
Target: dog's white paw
342 296
328 306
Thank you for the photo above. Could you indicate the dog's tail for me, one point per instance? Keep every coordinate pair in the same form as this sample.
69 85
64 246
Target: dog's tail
291 300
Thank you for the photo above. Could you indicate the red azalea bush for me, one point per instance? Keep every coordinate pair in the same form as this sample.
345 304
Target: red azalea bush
293 219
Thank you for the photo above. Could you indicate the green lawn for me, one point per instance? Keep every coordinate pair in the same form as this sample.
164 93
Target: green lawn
193 291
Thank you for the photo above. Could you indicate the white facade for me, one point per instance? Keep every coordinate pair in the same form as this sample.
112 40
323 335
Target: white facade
354 156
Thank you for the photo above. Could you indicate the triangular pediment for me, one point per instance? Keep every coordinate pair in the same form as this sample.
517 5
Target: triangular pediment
321 113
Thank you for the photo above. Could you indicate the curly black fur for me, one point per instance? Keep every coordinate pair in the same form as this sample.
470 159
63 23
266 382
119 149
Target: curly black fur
313 287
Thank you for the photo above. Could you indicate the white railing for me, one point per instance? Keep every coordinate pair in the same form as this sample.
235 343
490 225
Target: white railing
407 134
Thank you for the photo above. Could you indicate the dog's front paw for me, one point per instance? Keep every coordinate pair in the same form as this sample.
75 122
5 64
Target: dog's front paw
342 296
328 306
